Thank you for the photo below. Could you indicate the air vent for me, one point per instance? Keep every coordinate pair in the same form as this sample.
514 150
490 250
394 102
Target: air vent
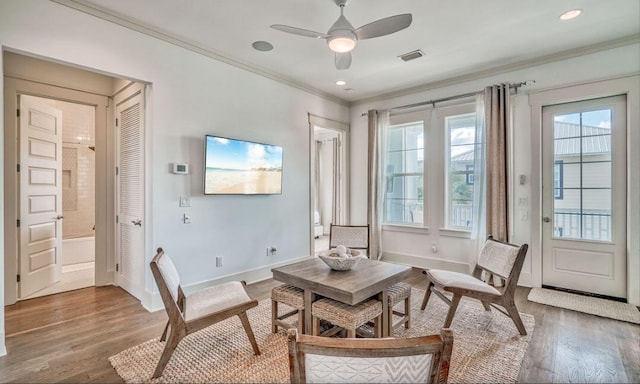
411 55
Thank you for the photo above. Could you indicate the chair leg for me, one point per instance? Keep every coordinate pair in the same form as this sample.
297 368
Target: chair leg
316 326
351 333
301 321
274 316
452 310
247 328
174 339
515 316
164 333
486 305
407 312
426 296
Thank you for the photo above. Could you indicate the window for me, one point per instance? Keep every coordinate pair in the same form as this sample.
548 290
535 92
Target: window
429 169
558 179
460 147
404 174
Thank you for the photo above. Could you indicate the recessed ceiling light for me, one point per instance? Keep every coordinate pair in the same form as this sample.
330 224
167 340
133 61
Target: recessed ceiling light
262 46
341 82
570 14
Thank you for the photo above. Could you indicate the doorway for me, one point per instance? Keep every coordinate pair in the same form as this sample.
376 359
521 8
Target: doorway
329 179
25 75
584 196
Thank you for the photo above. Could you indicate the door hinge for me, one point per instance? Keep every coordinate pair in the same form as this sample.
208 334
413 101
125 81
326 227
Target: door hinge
18 112
116 122
117 170
117 219
17 167
18 223
117 267
18 278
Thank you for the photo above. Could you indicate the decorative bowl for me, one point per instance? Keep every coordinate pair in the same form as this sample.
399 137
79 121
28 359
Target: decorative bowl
338 263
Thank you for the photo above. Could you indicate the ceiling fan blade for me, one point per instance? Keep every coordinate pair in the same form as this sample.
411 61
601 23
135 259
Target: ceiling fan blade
384 26
343 60
299 31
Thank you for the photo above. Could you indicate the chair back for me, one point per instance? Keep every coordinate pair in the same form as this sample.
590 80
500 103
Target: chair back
168 282
502 259
351 236
424 359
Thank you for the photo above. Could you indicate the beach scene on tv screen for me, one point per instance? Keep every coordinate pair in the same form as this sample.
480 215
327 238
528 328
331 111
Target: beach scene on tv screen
242 167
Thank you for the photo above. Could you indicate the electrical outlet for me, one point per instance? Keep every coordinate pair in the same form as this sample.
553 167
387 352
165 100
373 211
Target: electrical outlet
187 218
272 250
218 261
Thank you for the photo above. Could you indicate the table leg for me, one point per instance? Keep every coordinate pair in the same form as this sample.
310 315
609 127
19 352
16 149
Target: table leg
385 313
308 319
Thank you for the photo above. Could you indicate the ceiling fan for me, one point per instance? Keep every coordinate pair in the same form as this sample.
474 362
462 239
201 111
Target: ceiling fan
342 37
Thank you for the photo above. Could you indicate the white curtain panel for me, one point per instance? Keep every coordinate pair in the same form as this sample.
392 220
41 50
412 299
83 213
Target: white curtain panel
378 121
336 202
479 225
316 176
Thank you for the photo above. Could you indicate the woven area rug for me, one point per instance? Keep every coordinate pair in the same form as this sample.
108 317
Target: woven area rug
581 303
487 348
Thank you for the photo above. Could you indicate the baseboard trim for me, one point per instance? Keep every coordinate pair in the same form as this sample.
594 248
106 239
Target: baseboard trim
3 349
153 302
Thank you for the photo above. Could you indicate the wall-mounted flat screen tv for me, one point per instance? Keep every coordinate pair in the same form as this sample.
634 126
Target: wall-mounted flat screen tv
235 167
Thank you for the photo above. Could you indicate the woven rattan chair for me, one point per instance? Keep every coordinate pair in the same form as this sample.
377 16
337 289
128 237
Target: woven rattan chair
292 297
397 293
501 259
423 359
200 309
351 236
345 316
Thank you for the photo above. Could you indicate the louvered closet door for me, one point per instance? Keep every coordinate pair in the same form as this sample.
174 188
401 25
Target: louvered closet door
130 189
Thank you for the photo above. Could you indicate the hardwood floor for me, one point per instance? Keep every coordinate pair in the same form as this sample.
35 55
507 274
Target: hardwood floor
68 338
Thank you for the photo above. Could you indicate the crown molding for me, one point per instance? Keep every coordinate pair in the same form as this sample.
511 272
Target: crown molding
137 26
568 54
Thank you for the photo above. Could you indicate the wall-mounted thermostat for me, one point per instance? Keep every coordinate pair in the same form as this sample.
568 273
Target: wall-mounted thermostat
180 169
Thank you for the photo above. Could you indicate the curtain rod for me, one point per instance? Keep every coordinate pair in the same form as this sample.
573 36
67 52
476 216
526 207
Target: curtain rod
461 96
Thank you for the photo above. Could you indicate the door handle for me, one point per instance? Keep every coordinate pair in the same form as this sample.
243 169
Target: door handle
546 219
59 217
137 222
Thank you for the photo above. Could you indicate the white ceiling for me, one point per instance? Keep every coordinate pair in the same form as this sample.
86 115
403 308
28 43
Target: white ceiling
459 38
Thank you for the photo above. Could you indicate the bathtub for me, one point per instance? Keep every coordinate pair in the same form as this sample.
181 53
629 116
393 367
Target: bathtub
78 250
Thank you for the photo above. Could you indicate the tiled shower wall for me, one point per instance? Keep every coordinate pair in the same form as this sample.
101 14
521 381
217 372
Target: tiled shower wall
78 168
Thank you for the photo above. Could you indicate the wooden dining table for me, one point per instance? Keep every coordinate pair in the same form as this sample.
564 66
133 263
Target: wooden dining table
366 279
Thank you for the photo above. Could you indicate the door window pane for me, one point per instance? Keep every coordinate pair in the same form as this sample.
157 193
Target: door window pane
582 144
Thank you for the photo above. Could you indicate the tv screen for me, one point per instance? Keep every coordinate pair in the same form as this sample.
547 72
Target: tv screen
241 167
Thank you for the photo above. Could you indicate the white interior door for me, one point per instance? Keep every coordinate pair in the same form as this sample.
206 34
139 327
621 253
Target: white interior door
130 194
584 196
40 217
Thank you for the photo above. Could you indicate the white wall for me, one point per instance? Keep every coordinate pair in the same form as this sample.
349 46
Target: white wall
190 95
414 247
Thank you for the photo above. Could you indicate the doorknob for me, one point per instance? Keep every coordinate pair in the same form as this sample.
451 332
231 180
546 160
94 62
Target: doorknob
546 219
59 217
137 222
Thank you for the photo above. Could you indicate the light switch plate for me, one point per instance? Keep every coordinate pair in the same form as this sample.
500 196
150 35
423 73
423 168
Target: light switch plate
185 201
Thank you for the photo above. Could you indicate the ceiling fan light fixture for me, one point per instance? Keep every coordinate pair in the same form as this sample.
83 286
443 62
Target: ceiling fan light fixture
341 41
